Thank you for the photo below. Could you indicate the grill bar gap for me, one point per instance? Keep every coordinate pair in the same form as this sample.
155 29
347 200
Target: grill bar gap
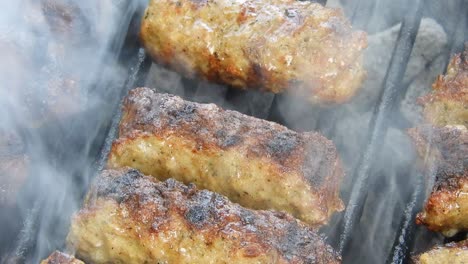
379 122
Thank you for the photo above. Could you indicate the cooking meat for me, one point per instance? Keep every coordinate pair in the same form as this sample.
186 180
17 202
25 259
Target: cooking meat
259 164
445 150
61 258
131 218
448 102
453 253
272 45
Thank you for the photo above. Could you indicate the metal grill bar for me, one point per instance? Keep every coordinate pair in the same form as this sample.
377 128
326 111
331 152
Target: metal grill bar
379 123
404 237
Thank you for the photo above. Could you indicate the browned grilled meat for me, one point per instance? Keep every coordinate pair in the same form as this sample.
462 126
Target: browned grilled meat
443 147
256 163
448 103
61 258
445 150
273 45
131 218
453 253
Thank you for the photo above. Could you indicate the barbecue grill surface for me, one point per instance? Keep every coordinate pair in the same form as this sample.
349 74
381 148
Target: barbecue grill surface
373 219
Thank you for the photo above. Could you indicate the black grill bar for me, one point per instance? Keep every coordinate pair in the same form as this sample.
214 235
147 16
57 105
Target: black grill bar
136 78
404 238
379 122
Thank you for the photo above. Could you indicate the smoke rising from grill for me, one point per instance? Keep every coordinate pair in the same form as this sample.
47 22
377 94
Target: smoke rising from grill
61 80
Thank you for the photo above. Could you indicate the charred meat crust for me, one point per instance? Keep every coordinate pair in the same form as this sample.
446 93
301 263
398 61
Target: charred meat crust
61 258
272 45
309 153
446 149
285 157
152 204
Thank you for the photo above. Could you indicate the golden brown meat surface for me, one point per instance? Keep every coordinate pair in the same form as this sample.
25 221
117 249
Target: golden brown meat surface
256 163
61 258
445 150
273 45
448 102
453 253
131 218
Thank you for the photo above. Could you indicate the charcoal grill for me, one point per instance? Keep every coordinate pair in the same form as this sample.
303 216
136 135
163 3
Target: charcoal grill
348 232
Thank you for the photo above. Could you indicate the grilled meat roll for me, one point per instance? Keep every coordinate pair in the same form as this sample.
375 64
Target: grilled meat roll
272 45
452 253
448 103
131 218
61 258
259 164
445 151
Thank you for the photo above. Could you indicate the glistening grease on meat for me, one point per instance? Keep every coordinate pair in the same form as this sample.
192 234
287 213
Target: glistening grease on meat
272 45
256 163
131 218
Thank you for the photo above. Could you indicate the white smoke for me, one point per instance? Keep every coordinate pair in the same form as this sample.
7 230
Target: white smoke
60 78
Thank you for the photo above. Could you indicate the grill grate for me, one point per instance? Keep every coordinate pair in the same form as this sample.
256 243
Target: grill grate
379 124
349 223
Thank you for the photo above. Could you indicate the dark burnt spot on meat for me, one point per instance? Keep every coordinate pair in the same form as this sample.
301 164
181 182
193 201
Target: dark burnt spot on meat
214 216
185 113
247 217
118 187
256 70
449 180
449 146
198 214
296 241
282 144
225 140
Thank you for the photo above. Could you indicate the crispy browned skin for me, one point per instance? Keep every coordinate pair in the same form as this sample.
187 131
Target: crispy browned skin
256 163
273 45
61 258
445 149
448 102
131 218
453 253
